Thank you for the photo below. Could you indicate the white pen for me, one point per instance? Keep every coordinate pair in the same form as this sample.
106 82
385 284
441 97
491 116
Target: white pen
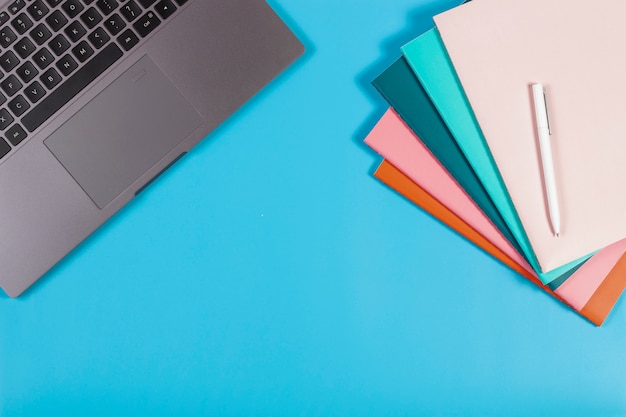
543 132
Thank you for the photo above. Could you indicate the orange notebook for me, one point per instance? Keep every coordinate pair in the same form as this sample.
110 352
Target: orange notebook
597 308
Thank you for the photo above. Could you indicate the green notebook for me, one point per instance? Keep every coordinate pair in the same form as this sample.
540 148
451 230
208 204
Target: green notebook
403 91
430 63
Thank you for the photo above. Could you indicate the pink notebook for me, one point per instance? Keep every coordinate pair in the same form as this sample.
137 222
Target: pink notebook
392 139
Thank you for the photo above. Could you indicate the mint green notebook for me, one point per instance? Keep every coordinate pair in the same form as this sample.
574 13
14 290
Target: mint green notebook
429 61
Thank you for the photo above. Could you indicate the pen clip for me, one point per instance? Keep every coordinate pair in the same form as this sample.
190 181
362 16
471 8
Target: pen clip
545 101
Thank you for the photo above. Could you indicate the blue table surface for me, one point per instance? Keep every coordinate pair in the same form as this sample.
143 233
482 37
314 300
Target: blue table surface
268 273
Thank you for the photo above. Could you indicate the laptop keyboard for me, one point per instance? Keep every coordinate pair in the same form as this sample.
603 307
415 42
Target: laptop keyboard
51 50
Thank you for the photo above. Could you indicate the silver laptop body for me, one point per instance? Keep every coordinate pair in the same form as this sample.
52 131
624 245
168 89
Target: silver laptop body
89 117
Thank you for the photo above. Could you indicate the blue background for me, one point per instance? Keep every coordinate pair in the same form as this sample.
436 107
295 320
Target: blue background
268 273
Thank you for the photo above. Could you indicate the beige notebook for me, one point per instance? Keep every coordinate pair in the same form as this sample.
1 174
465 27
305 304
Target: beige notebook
577 49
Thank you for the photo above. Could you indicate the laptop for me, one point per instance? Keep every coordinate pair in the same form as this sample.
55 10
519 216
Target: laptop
98 97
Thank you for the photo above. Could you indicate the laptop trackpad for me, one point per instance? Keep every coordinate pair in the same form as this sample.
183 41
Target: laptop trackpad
123 131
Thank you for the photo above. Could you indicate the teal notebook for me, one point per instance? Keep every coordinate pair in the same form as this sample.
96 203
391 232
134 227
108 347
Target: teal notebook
403 91
400 88
430 63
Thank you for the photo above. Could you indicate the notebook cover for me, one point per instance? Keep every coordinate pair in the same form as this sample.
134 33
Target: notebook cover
595 310
395 142
529 41
402 90
603 301
428 59
402 184
412 104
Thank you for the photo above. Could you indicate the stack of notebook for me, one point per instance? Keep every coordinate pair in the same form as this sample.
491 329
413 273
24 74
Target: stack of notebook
462 139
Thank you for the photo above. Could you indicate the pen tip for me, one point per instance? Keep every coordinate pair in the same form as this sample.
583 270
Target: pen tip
557 234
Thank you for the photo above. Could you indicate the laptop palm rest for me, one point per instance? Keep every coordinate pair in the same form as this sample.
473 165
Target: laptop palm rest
120 134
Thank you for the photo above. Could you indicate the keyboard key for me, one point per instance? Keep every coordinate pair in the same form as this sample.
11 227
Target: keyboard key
114 24
67 65
24 47
18 106
51 78
72 86
3 99
146 24
40 34
56 20
75 31
4 148
7 36
128 39
91 18
107 6
131 11
16 134
146 3
37 10
8 61
16 6
5 119
181 2
4 17
72 8
165 8
59 45
43 58
98 38
34 92
11 85
27 71
22 23
82 51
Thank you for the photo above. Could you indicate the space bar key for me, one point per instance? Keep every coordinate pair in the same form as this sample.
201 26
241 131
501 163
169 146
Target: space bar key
71 87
